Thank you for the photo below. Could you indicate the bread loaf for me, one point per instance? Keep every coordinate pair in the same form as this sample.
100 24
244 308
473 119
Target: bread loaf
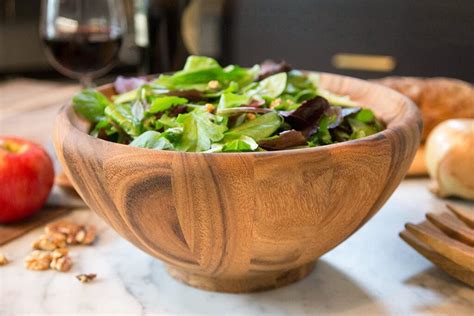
439 99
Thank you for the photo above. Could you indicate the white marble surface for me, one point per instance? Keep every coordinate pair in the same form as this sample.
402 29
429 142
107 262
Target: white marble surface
373 272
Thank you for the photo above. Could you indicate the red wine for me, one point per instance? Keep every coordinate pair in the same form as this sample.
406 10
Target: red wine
83 52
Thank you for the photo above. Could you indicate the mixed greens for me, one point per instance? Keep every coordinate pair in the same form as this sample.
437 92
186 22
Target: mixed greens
209 108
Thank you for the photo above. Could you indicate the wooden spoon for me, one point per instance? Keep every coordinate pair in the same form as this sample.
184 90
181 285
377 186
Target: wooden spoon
447 240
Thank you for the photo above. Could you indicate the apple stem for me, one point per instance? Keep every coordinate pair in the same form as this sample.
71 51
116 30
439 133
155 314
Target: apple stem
13 147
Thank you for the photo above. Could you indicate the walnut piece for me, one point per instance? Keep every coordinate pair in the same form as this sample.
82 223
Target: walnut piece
275 103
209 107
61 264
251 116
91 233
52 251
60 252
38 260
73 233
68 229
213 84
50 242
86 278
3 259
86 235
80 236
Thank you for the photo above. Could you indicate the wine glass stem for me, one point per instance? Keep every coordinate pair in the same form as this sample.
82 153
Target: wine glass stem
86 82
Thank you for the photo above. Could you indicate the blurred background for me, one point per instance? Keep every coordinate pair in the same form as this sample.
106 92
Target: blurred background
363 38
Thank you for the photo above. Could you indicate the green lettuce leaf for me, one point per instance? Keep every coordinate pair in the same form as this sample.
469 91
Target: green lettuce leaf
333 99
152 140
173 134
126 97
361 129
243 143
230 100
241 76
137 94
90 104
122 115
323 136
365 116
261 127
166 122
198 69
271 86
195 63
163 103
199 131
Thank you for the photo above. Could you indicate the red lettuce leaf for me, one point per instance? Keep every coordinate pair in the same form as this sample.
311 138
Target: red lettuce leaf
177 109
270 67
256 103
306 117
286 139
125 84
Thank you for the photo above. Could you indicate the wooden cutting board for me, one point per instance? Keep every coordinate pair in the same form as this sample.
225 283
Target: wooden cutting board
9 232
27 109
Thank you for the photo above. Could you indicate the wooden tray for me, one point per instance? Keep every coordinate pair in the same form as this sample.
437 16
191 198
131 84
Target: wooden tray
9 232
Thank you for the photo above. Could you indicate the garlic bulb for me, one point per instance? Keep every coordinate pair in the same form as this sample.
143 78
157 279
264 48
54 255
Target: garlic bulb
450 158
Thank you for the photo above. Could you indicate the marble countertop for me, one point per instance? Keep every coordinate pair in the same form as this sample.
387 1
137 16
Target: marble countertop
373 272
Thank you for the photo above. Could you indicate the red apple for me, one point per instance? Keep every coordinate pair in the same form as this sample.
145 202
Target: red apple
26 178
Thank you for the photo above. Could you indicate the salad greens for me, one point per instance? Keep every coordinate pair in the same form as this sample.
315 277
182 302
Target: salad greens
209 108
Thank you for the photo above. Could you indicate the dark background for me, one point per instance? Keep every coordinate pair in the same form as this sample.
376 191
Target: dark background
425 37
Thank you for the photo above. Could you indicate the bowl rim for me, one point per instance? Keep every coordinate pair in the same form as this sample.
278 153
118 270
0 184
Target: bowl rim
391 129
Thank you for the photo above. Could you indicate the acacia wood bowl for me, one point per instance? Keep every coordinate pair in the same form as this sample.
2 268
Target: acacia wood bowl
241 222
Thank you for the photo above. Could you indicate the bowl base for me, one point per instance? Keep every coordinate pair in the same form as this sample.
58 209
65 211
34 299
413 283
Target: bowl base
254 283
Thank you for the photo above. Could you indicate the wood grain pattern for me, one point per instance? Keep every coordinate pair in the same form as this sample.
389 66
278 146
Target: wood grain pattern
12 231
63 182
447 240
454 250
465 215
459 272
240 222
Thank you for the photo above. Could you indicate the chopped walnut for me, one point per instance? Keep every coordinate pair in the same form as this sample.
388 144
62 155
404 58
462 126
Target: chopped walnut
58 238
60 252
275 103
38 260
91 233
52 251
213 84
86 278
73 233
68 229
251 116
50 242
79 238
3 259
62 264
209 107
43 244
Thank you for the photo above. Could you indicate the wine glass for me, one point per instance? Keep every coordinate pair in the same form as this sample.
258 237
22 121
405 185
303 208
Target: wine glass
82 38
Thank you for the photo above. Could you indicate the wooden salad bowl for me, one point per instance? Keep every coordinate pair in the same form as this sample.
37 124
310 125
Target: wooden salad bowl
241 222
